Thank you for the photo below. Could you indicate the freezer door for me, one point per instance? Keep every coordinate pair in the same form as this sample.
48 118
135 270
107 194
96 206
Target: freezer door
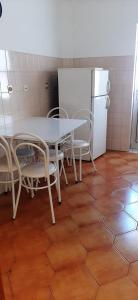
74 89
100 126
100 83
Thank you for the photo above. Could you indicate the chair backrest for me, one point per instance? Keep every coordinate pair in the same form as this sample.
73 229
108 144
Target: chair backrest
5 154
20 140
84 114
57 112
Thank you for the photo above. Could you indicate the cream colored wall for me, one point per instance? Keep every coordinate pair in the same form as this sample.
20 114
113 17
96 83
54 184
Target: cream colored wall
31 26
99 28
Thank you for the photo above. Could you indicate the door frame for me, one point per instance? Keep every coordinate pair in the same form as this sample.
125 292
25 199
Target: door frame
134 119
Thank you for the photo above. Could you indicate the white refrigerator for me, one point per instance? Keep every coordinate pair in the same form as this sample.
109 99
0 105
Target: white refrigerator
87 88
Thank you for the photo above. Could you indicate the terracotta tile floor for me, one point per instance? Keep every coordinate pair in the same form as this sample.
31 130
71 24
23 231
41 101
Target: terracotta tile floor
92 251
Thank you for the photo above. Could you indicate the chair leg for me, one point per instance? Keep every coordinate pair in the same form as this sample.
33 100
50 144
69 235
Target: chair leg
67 157
61 169
74 164
6 184
26 187
67 160
17 200
51 204
37 182
71 158
80 165
93 162
13 195
30 184
64 172
58 174
32 191
55 176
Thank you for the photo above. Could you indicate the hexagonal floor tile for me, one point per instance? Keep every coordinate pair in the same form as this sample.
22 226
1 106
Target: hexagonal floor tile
76 188
6 287
133 272
37 266
106 206
120 223
116 161
80 199
126 196
135 186
94 180
127 244
95 236
106 265
125 169
122 289
42 293
65 254
99 190
131 177
132 210
64 229
86 215
117 183
74 284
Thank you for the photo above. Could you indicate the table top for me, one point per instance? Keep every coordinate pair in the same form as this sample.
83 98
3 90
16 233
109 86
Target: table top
50 130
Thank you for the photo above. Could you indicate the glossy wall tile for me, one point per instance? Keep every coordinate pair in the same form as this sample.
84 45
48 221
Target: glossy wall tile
31 79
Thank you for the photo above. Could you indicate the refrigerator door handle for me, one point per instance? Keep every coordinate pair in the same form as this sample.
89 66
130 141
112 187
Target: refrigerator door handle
108 86
107 102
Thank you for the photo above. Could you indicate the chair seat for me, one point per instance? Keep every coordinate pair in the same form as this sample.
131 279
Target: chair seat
37 170
4 166
79 144
52 155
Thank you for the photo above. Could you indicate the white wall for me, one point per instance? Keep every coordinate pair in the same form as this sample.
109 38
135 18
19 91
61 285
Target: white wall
69 28
99 28
30 26
66 29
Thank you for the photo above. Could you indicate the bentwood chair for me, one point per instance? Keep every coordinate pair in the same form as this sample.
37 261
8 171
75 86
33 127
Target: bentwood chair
8 169
32 174
58 112
83 147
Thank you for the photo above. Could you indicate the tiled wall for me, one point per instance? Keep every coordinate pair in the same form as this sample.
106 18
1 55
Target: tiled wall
34 82
119 114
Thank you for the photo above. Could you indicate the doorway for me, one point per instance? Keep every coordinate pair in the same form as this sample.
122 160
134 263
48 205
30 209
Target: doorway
134 127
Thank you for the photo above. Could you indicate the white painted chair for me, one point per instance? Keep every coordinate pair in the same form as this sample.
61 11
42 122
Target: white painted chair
57 112
83 147
30 175
52 158
8 169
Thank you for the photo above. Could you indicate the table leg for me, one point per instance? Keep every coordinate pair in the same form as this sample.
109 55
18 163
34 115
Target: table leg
58 174
73 158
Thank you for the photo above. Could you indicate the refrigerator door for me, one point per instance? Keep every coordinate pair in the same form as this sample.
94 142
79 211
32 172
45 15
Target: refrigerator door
100 83
74 89
100 126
